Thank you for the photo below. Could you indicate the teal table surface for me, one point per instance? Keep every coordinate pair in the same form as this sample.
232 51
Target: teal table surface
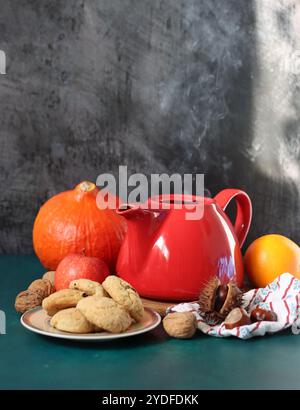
151 361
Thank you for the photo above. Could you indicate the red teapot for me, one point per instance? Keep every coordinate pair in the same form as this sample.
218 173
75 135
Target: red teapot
168 256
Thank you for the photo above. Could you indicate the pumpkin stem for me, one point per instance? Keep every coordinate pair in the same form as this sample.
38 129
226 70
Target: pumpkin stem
86 186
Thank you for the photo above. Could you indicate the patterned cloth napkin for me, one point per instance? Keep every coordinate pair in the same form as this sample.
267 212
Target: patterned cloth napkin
282 296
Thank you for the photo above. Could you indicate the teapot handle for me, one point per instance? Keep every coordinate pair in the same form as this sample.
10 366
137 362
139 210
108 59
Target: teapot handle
243 213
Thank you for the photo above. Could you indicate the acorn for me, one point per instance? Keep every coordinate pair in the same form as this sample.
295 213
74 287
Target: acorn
217 300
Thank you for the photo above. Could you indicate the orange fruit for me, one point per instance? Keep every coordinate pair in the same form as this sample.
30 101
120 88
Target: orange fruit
269 256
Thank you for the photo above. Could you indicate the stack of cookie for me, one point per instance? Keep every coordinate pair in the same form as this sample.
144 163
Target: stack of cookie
88 306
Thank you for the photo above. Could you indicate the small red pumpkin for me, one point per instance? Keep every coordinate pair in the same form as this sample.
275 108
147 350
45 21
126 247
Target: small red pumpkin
71 222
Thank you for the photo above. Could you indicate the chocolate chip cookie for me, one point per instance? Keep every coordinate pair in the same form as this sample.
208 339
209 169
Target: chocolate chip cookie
71 320
88 286
105 313
125 295
62 299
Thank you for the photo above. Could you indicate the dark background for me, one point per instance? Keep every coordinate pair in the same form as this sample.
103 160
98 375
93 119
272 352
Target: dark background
188 86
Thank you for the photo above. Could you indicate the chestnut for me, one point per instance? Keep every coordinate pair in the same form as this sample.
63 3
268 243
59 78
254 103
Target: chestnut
259 315
217 299
237 317
220 297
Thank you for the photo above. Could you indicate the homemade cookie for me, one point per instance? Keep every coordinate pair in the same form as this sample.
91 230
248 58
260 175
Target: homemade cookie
105 313
88 286
125 295
71 320
62 299
41 286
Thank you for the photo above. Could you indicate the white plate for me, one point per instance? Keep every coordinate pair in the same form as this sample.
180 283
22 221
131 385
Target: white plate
38 321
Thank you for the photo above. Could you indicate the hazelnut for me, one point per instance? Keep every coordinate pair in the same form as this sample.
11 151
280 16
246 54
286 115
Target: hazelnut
259 315
182 325
237 317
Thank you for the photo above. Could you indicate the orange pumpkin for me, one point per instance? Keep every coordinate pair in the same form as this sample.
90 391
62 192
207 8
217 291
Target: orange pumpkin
71 222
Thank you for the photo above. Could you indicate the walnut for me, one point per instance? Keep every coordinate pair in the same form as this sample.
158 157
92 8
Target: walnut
34 295
43 287
50 276
27 300
180 325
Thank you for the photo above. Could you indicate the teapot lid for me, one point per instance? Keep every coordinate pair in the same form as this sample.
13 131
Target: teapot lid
175 200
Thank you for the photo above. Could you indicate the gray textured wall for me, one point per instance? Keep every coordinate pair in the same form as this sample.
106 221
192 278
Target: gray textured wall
208 86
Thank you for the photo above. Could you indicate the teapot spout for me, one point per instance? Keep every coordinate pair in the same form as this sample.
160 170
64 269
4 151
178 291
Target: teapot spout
142 222
142 225
132 212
